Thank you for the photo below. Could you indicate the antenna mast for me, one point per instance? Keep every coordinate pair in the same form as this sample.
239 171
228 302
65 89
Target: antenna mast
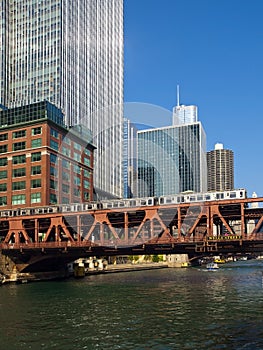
178 96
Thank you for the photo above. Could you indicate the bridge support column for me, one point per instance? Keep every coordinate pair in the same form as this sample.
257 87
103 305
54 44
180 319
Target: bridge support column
177 260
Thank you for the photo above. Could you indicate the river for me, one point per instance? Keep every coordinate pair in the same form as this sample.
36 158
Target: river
159 309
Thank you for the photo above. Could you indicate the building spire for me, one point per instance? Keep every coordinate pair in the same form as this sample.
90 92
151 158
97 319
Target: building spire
178 96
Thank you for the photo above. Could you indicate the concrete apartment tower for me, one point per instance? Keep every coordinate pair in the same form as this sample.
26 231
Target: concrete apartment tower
220 169
69 53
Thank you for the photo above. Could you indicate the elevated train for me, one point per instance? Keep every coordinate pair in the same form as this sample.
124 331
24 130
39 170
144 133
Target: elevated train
187 197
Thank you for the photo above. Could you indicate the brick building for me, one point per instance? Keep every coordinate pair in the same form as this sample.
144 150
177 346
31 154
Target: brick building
41 161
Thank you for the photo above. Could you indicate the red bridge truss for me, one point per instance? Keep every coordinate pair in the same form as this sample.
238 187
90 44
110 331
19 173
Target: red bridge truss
225 226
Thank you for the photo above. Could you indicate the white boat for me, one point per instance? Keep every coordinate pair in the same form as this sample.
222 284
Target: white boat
212 266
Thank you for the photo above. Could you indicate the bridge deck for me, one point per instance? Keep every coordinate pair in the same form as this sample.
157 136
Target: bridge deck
193 228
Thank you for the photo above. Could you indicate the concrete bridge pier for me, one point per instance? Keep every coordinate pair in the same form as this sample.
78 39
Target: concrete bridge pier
177 260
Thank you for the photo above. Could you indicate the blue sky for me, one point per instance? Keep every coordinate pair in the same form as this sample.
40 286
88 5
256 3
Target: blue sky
214 50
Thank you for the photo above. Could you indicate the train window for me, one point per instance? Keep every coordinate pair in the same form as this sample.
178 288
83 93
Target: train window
219 195
182 199
115 204
200 198
192 198
143 202
109 205
6 213
233 194
168 200
161 200
122 204
150 202
207 197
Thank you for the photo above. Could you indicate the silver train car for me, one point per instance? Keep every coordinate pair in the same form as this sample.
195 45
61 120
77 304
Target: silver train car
128 203
203 197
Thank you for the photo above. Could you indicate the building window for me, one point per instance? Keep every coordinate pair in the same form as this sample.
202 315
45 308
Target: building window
54 133
36 131
76 180
54 145
3 174
86 196
65 188
65 176
77 156
77 169
86 184
87 173
87 161
53 158
77 146
65 200
17 146
18 134
36 183
3 137
53 171
19 199
36 197
3 200
35 170
53 198
20 185
3 148
76 192
65 151
3 161
19 172
53 184
65 164
19 159
35 157
36 143
3 187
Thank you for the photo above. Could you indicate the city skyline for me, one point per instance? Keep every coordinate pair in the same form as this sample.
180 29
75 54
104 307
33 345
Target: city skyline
214 52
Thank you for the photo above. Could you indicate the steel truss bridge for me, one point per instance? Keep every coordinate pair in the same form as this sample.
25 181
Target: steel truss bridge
45 241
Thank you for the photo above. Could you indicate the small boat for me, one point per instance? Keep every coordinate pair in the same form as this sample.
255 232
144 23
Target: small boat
220 261
185 264
212 266
243 258
79 270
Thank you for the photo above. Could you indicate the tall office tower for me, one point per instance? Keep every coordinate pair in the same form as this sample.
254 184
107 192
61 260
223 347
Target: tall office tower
184 114
220 169
71 54
171 160
129 159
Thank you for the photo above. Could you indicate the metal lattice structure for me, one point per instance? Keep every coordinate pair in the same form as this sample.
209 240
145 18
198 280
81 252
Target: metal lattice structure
228 226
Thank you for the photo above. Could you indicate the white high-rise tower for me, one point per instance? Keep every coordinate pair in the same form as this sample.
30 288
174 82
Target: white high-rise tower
71 54
184 114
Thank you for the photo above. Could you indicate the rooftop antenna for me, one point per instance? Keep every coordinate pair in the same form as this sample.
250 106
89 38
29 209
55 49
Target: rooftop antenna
178 96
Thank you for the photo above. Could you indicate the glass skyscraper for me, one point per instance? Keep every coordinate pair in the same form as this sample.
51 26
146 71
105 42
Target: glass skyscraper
184 114
71 54
172 160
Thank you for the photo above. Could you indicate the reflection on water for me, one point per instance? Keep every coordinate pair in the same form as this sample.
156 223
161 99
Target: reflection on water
159 309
